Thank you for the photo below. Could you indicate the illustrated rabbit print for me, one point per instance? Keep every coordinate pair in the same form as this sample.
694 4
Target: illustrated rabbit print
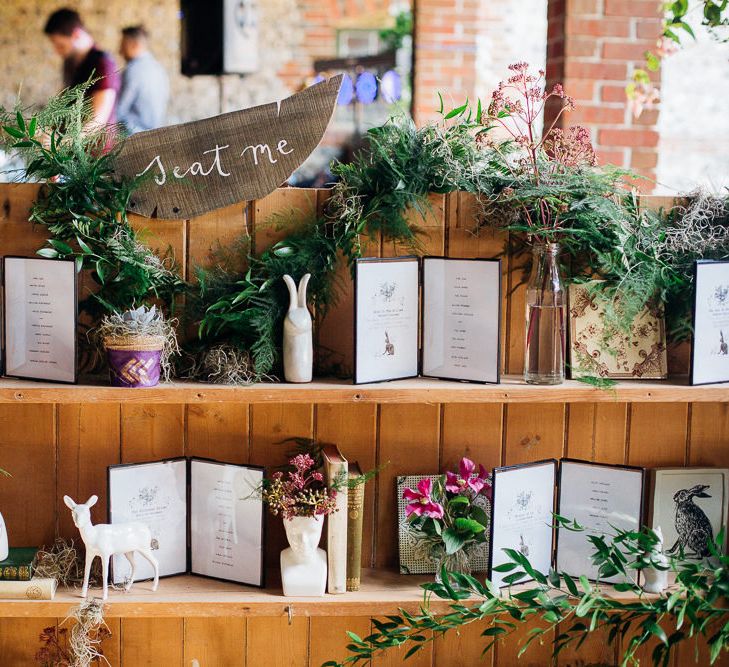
723 345
692 525
389 346
297 338
106 540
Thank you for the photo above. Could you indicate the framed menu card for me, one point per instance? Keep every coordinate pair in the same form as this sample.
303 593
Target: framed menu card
600 497
39 318
205 516
710 349
461 319
521 515
459 311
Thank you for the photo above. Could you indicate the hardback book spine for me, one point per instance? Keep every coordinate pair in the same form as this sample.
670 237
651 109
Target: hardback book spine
335 466
355 512
18 566
35 589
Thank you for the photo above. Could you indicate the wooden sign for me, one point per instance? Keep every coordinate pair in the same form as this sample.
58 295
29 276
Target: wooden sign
193 168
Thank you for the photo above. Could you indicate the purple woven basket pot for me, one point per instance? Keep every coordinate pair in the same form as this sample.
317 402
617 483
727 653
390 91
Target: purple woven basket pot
134 361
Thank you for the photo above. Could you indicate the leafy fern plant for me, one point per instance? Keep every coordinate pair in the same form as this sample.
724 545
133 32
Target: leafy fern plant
83 202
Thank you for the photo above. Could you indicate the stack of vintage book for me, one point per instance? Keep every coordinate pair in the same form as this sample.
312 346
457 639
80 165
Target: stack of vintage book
16 577
344 529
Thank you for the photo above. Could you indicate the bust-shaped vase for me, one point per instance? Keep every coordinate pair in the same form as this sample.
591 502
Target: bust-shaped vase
298 346
655 579
304 564
4 547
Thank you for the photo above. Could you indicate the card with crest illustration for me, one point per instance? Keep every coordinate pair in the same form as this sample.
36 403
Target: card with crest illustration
438 317
600 348
521 516
710 348
206 517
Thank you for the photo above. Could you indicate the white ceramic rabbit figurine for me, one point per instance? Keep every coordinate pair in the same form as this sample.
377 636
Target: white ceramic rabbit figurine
655 580
297 339
106 540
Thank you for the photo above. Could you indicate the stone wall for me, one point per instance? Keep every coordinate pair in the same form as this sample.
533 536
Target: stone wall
292 34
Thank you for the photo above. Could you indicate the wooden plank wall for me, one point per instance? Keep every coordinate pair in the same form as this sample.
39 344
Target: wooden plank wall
53 450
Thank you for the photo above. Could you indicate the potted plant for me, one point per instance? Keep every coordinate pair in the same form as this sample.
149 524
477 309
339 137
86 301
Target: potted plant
539 179
448 513
302 499
139 344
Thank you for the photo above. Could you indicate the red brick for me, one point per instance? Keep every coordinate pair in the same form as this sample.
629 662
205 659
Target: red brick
627 137
643 159
648 29
633 8
583 7
615 157
595 71
598 27
581 90
626 50
581 46
612 93
597 115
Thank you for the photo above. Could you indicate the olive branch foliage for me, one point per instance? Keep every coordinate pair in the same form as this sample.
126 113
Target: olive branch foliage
569 608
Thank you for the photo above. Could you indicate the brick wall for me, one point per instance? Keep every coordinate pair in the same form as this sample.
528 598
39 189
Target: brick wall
446 34
593 47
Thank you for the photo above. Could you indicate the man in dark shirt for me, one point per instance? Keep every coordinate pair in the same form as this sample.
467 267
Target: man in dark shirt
82 60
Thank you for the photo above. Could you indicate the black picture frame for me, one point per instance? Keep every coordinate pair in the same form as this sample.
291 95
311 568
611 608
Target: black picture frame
496 262
74 277
494 508
558 499
421 263
694 324
188 460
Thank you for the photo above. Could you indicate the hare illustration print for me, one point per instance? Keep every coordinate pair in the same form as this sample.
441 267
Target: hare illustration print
297 339
692 525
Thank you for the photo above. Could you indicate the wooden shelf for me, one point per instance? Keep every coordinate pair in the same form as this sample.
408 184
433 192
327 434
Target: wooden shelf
381 593
420 390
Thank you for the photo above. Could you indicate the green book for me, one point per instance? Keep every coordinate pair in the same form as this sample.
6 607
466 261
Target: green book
355 513
18 566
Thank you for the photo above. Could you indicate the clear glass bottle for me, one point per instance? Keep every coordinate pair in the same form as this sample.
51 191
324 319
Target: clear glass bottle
457 562
546 316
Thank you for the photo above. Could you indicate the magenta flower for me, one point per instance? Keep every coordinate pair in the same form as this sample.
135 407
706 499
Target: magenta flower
421 502
466 477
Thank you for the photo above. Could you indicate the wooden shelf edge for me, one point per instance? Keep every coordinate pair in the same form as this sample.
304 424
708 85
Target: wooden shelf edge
190 596
420 390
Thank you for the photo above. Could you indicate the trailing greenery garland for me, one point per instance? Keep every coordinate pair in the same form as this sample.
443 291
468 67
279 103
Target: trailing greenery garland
642 255
570 608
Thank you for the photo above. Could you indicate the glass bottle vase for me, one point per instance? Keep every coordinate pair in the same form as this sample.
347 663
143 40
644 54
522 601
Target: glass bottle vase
455 562
546 315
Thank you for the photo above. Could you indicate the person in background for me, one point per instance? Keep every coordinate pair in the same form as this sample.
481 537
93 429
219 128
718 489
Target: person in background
82 60
145 87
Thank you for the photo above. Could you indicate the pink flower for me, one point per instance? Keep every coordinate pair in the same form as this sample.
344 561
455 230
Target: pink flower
421 502
466 479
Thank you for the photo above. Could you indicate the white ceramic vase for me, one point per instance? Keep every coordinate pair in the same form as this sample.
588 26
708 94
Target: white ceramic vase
4 547
304 564
298 347
656 580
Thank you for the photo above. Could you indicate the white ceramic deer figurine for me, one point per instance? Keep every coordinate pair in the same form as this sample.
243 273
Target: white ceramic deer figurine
297 339
106 540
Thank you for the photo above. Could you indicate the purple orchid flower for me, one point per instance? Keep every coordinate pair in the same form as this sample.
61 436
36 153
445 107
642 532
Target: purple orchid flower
466 478
422 503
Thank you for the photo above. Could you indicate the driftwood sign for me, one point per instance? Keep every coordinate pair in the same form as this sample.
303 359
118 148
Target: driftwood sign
193 168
